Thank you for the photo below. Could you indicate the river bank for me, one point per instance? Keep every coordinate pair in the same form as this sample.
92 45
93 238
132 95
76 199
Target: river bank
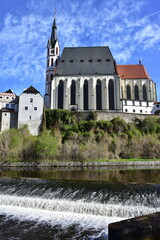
72 164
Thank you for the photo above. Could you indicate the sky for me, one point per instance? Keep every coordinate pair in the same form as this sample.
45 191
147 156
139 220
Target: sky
131 29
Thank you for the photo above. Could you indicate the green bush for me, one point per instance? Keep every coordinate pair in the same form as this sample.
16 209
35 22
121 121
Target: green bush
46 145
119 125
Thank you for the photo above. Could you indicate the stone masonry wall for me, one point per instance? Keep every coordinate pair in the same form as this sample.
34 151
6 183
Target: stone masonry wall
103 115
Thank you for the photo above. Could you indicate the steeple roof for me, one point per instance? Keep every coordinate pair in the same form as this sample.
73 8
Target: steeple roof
54 36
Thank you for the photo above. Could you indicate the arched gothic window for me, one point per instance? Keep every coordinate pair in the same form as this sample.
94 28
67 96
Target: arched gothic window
99 95
60 94
144 93
51 76
85 95
136 92
111 94
73 92
47 78
128 92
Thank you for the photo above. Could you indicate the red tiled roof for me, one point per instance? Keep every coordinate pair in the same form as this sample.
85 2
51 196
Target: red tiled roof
132 72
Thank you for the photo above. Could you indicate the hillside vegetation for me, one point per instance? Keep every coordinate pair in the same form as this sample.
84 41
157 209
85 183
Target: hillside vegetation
63 137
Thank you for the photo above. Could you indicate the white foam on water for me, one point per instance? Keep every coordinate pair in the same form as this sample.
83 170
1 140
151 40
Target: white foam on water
54 218
78 206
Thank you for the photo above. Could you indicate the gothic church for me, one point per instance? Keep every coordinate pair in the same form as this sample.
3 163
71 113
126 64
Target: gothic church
88 78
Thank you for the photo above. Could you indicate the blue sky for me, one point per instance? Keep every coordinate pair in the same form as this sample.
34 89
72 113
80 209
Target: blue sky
131 28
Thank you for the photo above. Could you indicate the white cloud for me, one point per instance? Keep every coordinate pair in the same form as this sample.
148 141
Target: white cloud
118 24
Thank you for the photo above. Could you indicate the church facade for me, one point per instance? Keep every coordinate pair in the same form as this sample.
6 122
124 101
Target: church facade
88 78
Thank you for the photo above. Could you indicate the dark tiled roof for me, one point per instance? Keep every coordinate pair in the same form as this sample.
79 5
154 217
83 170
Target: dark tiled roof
9 91
86 60
132 72
7 110
31 90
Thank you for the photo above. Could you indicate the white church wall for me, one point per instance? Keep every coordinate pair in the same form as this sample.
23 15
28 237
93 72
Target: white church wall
79 81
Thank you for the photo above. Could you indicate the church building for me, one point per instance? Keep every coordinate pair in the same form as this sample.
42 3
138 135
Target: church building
88 78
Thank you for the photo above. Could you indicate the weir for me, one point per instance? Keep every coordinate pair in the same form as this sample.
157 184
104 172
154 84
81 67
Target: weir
81 210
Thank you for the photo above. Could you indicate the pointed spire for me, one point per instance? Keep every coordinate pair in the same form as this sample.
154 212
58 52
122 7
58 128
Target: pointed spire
54 36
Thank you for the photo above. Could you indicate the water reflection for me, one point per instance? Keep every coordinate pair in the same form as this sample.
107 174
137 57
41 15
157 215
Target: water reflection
78 174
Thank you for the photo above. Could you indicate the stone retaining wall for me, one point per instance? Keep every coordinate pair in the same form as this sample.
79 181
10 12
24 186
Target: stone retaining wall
146 164
104 115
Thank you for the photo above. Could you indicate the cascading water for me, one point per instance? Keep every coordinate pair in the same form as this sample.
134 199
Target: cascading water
49 209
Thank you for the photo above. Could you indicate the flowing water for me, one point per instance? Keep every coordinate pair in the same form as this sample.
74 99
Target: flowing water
37 209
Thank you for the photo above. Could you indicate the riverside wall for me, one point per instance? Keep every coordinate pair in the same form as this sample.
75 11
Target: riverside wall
104 115
72 164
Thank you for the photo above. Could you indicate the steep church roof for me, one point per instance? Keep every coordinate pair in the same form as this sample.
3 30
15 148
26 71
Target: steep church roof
86 60
132 72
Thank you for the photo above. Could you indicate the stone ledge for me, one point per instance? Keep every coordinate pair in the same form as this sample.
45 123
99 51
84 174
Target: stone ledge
140 228
146 164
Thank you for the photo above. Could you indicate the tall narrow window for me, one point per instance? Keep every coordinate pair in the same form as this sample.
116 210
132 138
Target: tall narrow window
56 50
136 92
99 95
128 92
144 93
73 92
51 76
52 62
47 62
60 94
85 95
111 94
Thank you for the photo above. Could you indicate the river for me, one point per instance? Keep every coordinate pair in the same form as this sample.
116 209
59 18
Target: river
39 204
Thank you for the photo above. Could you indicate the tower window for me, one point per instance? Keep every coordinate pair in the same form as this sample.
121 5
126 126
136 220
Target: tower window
35 108
47 62
31 100
56 50
51 76
51 61
26 107
30 117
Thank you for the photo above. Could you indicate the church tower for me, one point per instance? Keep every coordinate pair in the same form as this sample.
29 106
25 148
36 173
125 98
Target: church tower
53 55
